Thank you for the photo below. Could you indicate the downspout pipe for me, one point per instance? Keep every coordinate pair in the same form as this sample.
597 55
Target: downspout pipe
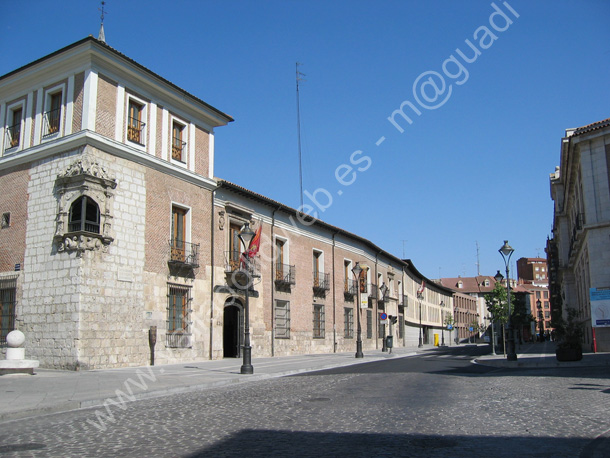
272 280
212 246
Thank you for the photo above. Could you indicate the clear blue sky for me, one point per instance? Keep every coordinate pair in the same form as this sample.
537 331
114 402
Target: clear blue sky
474 169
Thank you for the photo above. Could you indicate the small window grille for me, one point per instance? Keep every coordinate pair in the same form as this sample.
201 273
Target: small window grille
282 319
6 219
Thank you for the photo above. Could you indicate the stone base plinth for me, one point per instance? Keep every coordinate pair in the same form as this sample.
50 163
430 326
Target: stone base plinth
13 366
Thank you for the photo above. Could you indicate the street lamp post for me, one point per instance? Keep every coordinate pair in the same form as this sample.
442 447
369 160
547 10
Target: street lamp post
384 290
493 336
246 235
506 251
356 271
420 296
442 324
540 319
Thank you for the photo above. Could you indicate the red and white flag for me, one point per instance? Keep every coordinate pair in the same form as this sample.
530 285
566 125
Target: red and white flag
421 288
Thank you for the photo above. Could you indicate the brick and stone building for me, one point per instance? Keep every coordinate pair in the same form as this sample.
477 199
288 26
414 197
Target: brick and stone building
115 228
578 252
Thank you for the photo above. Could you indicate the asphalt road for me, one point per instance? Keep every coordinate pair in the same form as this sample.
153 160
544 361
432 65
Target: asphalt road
438 405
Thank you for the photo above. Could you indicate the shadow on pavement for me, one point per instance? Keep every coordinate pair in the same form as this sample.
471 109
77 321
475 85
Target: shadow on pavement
266 443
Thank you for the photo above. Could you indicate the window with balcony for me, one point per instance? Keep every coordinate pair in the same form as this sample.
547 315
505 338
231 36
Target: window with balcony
318 321
178 143
182 251
235 246
282 319
135 124
284 272
52 115
14 128
84 216
178 333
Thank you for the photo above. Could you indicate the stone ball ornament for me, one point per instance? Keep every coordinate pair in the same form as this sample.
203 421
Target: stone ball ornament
15 339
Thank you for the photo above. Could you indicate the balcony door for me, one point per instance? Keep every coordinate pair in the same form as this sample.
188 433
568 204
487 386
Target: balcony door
178 234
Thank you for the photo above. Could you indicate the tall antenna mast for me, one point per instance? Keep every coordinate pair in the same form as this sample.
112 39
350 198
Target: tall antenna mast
478 260
299 76
102 36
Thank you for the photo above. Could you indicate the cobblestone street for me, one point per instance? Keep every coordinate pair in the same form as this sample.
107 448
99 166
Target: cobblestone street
434 405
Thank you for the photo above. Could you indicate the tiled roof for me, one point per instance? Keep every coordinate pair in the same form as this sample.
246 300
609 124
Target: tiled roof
591 127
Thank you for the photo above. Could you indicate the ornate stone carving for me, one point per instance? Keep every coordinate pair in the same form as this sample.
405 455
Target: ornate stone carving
84 177
221 220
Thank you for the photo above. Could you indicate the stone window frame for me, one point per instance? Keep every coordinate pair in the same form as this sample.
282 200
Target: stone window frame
10 113
48 133
84 177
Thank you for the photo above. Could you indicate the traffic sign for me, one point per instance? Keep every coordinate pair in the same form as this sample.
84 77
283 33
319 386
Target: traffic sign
383 316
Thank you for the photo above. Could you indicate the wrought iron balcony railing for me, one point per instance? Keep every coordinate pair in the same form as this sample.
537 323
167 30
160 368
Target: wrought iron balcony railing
236 262
285 274
134 131
13 133
350 288
321 281
51 119
177 149
182 252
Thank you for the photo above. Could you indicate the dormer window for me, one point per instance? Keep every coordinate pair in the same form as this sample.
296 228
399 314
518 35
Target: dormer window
460 284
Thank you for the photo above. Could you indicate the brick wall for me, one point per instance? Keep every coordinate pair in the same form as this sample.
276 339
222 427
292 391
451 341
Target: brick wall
105 118
13 200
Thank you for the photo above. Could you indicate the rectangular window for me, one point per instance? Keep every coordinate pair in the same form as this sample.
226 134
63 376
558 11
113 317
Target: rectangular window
279 259
348 323
546 294
178 143
537 294
317 278
369 324
14 127
8 293
547 315
135 126
318 321
282 319
178 316
234 246
53 114
178 242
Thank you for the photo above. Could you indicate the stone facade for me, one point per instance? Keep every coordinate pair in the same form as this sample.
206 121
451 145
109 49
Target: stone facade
119 233
579 251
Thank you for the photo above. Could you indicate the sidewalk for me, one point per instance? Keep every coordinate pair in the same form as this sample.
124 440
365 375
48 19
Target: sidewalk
51 391
542 355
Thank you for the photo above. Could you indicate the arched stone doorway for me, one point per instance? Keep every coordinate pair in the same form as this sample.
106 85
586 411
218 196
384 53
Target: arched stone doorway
232 328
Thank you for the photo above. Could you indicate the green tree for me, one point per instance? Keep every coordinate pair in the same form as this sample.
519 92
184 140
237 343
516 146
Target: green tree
497 305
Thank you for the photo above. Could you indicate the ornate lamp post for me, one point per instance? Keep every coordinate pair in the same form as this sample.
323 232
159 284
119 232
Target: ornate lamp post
245 235
356 271
540 319
506 251
384 290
